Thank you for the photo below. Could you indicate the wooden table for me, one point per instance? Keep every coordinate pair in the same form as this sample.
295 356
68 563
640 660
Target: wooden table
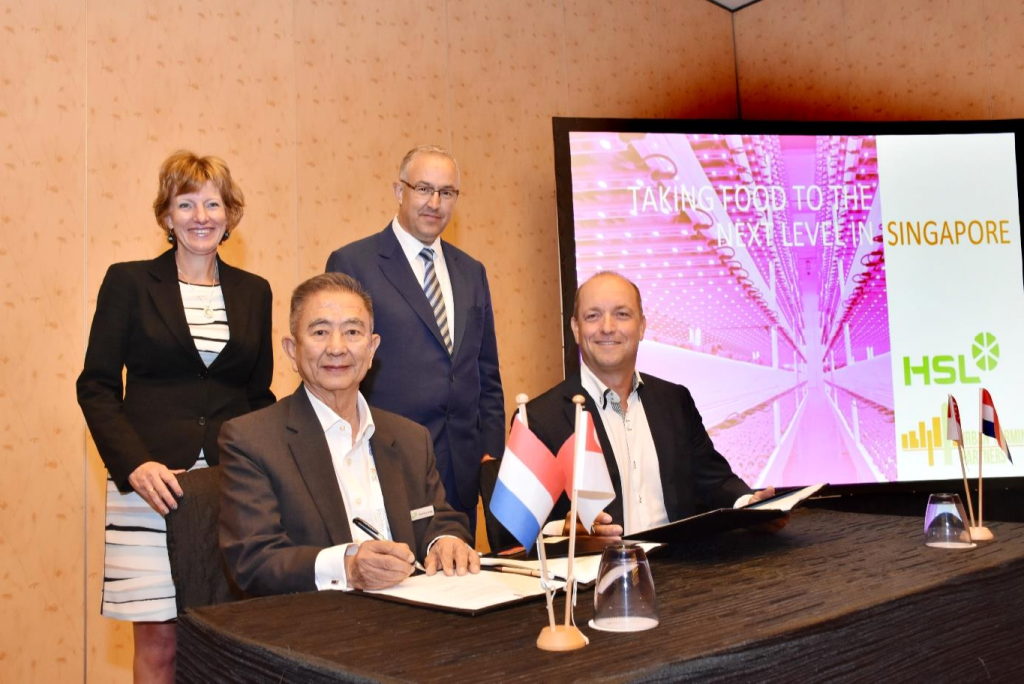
833 597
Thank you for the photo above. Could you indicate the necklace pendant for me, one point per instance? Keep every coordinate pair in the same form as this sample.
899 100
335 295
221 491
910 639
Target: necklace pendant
208 312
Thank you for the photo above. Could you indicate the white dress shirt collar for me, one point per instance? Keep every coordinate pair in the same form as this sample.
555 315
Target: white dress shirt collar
411 248
327 417
410 245
601 393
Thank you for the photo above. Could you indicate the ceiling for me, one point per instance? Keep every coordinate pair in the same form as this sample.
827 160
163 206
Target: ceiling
733 5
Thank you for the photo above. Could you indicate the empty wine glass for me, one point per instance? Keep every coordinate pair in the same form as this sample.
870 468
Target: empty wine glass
944 526
624 599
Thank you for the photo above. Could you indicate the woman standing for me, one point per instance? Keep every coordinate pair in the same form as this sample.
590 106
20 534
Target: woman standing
194 335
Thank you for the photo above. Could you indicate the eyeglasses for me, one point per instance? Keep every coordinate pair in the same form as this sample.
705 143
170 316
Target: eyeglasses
427 192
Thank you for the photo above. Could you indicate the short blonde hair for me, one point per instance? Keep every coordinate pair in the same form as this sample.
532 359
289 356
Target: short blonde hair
184 172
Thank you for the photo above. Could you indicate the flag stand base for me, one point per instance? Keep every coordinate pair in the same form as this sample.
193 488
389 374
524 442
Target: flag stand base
981 534
561 638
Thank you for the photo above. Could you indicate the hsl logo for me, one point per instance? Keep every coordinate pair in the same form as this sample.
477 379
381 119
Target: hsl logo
948 370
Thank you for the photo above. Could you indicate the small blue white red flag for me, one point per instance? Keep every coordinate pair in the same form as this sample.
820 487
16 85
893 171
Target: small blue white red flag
529 483
990 423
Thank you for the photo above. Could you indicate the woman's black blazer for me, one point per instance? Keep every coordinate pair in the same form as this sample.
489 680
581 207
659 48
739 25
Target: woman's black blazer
171 405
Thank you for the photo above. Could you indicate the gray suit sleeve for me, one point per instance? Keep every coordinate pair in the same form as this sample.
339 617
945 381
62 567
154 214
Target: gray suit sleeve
260 555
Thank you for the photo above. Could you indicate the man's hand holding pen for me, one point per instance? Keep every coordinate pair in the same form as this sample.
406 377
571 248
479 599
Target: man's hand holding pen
380 564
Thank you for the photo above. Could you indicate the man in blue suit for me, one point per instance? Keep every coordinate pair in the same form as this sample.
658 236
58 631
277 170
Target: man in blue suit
438 364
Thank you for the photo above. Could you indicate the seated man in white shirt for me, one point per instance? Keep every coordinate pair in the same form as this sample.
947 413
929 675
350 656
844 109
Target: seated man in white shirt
309 482
659 455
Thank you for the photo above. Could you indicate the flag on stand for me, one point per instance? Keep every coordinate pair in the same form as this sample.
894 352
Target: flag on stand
954 432
593 485
529 483
990 423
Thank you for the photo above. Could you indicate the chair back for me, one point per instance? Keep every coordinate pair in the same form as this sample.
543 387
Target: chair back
197 566
498 538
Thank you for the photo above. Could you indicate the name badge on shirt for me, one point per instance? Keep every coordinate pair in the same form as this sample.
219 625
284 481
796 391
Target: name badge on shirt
420 513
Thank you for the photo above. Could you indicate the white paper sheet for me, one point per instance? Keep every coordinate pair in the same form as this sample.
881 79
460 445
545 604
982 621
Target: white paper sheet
584 569
468 592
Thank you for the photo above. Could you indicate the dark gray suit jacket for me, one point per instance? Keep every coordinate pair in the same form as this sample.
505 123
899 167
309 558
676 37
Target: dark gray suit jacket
281 504
692 470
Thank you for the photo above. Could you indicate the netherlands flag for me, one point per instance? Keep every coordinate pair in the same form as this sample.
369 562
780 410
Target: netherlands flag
529 483
990 423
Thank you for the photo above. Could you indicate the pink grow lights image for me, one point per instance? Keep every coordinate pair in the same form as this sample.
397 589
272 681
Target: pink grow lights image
761 265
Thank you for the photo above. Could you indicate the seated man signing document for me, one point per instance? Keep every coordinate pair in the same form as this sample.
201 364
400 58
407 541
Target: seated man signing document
297 475
660 457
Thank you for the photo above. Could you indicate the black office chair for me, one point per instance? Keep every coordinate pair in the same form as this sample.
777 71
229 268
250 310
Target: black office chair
497 536
197 566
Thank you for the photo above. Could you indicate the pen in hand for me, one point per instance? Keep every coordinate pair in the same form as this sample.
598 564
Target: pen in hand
372 531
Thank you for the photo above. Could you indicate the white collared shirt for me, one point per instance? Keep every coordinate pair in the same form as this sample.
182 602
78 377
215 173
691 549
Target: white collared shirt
643 499
356 473
411 247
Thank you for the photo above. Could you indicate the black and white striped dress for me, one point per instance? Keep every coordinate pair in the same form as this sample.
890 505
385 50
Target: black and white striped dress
137 583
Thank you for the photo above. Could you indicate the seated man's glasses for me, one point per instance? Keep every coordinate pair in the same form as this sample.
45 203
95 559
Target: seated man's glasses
426 192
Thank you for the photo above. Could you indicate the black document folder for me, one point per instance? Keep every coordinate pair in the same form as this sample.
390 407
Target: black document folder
707 524
726 519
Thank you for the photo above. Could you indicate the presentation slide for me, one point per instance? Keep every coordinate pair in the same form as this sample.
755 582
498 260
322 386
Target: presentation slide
820 295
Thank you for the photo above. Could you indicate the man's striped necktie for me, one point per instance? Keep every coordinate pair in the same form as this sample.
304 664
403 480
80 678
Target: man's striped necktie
432 288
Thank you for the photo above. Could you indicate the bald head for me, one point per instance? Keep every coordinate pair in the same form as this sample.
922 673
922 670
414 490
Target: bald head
607 274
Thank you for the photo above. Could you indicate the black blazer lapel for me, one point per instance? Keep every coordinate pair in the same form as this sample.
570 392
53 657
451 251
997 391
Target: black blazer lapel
461 293
395 268
313 457
391 476
235 299
576 387
656 408
166 295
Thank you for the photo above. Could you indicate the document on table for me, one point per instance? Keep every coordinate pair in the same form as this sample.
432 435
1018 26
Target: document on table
584 569
469 594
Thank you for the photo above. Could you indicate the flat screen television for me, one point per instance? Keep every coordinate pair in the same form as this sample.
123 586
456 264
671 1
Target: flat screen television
821 288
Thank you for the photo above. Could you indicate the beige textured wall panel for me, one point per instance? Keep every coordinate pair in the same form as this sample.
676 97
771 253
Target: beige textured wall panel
371 83
1003 72
649 58
216 78
879 59
692 46
507 72
42 216
793 60
917 59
